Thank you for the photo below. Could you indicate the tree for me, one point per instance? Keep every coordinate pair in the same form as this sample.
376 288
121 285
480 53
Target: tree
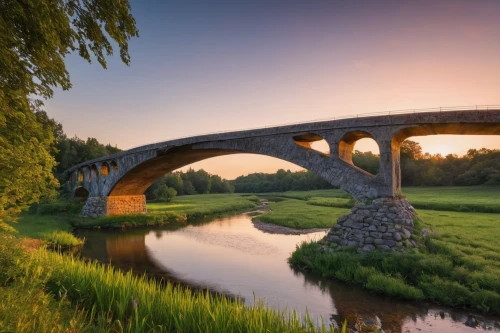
174 180
367 161
35 36
188 188
165 193
410 150
25 161
200 180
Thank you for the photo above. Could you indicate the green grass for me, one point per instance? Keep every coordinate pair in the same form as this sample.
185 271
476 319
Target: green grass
304 195
459 199
204 204
298 214
331 202
53 229
46 291
463 199
458 266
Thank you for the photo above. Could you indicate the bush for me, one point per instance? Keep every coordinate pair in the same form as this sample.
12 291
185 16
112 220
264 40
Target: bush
52 208
165 193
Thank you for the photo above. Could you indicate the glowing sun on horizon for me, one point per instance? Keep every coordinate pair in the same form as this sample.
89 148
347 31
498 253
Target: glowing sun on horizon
440 149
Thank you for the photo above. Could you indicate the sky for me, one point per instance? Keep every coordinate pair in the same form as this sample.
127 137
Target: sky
209 66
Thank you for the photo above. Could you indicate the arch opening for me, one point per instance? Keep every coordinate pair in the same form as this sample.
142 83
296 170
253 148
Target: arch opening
114 166
81 194
136 180
314 142
450 160
104 169
80 175
245 173
367 155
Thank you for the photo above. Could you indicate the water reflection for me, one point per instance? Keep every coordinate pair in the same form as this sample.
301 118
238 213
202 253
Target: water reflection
230 255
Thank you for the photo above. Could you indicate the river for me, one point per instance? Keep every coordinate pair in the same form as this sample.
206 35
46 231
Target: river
231 256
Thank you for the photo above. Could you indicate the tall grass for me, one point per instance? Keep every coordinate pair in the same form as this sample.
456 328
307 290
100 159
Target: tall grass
62 238
135 304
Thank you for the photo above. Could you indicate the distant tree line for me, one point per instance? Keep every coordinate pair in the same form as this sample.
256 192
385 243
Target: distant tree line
477 167
187 183
279 182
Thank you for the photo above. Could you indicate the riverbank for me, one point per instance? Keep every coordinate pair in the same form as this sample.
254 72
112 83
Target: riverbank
458 265
178 211
93 297
277 229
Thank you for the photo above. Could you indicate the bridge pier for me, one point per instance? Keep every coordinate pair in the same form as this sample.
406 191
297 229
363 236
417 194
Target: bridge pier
384 224
114 205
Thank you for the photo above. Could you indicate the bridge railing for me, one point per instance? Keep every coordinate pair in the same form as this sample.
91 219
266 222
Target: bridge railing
363 115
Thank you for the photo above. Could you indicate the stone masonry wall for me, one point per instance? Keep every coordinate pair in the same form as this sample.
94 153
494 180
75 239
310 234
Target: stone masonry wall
118 205
126 204
94 207
385 224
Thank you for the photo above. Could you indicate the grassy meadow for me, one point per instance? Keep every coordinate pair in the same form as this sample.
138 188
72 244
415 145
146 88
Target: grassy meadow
52 229
204 204
484 199
299 214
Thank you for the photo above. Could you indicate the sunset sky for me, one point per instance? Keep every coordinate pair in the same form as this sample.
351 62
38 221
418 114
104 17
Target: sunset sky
209 66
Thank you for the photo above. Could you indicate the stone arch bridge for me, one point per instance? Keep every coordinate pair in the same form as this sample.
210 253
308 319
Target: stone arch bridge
115 184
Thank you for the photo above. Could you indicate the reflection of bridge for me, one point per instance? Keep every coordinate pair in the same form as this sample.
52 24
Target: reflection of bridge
116 183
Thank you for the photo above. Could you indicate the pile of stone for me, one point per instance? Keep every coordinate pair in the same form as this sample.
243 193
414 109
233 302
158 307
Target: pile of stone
385 224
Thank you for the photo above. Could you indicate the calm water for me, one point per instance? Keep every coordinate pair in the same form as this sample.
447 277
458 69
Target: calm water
230 255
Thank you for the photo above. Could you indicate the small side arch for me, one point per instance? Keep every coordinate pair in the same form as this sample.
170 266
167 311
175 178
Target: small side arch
114 166
346 149
104 169
314 142
81 175
81 194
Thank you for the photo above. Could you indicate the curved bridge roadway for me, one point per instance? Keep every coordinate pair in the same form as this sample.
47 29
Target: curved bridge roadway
115 183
